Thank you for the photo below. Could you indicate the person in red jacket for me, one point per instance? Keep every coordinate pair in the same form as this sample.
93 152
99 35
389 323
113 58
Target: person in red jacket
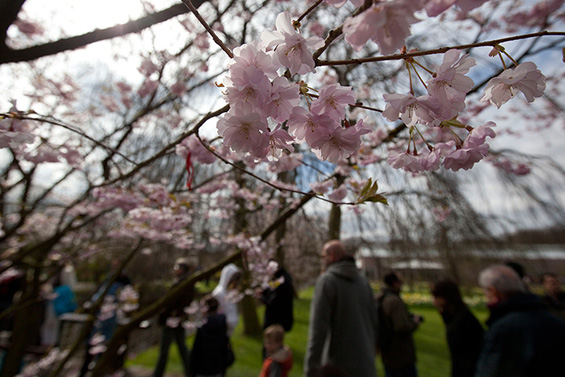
279 357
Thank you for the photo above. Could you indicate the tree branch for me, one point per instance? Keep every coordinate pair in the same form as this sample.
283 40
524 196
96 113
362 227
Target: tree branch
441 50
66 44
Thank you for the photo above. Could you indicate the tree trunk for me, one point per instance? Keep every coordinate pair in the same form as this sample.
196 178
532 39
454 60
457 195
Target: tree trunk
251 325
27 323
334 223
334 226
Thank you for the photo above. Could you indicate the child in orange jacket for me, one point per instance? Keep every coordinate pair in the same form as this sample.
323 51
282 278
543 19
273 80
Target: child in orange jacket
279 357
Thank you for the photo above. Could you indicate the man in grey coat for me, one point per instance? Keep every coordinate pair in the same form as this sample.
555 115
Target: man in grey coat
343 318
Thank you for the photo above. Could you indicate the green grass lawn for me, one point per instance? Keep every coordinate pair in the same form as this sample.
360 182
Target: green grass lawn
433 355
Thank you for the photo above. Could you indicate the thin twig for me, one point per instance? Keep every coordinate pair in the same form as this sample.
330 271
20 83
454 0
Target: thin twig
438 50
216 39
267 182
309 10
43 119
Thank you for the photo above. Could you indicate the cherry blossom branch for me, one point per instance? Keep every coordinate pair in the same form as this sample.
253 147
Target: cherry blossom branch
66 44
175 292
311 193
441 50
333 34
168 147
44 119
193 9
309 10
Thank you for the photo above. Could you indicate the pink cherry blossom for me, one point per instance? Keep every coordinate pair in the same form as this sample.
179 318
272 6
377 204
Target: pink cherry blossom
322 187
464 158
249 55
279 140
147 67
411 110
525 78
245 133
332 100
28 28
336 3
114 197
441 213
386 23
435 7
197 151
478 136
310 127
473 150
338 194
250 92
284 96
14 140
426 161
512 167
147 88
341 143
450 85
42 155
535 15
286 162
292 50
178 88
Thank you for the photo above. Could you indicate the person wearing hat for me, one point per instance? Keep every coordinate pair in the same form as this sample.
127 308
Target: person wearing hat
171 320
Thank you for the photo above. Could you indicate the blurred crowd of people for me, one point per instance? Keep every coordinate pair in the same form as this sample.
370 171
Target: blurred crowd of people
349 324
524 336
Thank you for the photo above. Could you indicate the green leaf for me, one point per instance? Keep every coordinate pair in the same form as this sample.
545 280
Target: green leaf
369 193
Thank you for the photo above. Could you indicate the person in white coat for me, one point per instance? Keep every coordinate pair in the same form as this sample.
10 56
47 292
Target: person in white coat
225 292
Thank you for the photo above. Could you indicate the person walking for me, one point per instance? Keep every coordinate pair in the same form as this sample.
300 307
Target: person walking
171 320
209 357
225 292
523 338
278 298
463 331
343 317
397 326
554 296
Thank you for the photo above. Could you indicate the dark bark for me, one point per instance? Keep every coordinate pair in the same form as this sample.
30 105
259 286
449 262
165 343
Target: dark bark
8 55
9 10
26 328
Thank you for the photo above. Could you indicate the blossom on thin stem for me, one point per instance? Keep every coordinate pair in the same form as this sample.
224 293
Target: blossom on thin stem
246 133
449 84
411 110
332 100
310 127
473 150
292 50
385 23
340 143
415 163
525 78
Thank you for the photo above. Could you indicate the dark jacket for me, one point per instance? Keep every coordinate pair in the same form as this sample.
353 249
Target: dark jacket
279 301
556 306
176 308
343 321
399 352
465 339
209 350
523 340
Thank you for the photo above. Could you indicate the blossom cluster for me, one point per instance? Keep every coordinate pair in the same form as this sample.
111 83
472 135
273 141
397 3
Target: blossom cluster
266 116
457 146
387 23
